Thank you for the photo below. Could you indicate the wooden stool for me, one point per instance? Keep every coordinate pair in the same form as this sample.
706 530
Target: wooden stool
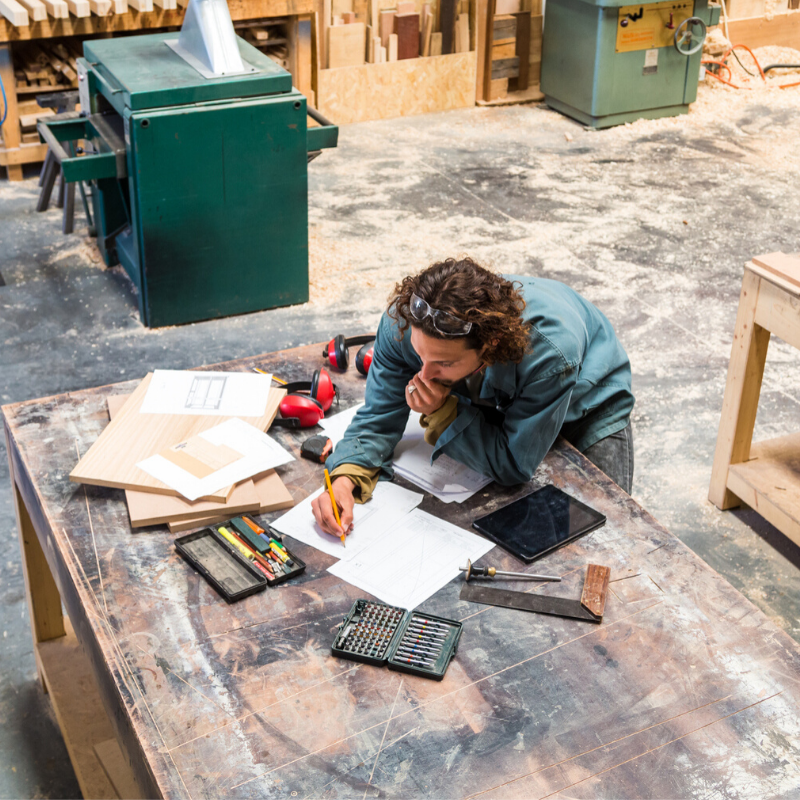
765 475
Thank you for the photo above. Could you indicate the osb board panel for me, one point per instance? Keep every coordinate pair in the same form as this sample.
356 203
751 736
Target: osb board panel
398 89
148 508
131 437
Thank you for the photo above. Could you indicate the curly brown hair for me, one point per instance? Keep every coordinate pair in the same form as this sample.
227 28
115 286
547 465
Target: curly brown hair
470 292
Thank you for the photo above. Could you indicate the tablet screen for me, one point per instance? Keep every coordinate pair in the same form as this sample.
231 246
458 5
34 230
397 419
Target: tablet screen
539 523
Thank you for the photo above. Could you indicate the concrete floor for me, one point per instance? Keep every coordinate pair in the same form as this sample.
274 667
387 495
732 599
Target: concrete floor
651 222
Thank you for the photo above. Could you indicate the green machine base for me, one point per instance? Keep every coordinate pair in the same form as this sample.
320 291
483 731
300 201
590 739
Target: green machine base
607 62
610 120
199 185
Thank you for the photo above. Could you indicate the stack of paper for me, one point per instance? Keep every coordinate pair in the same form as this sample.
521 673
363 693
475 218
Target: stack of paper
446 479
187 429
396 552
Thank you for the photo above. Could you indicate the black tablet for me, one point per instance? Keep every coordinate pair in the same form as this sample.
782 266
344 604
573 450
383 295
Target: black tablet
539 523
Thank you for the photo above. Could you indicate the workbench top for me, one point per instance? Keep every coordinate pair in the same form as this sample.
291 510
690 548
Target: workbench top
685 690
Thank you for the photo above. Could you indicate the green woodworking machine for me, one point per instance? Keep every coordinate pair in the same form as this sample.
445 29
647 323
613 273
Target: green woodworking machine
196 147
606 62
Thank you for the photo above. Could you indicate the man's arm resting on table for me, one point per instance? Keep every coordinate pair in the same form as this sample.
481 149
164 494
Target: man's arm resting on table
364 479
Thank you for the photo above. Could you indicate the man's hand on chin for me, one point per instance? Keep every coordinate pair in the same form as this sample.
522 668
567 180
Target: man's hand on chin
425 397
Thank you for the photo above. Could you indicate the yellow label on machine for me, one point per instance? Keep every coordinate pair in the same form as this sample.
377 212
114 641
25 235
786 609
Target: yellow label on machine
643 27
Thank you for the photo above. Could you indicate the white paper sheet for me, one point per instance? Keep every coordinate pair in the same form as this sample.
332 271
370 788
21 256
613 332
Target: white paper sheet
335 425
446 478
260 452
204 394
389 502
412 560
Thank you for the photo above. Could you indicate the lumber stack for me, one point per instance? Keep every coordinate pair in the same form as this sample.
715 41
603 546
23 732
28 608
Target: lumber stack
46 65
151 503
357 32
511 48
270 36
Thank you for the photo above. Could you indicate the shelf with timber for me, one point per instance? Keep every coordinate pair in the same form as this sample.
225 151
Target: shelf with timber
44 20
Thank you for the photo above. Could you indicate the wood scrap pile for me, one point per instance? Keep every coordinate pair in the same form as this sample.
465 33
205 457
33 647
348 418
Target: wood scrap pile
513 56
270 37
377 31
133 436
46 65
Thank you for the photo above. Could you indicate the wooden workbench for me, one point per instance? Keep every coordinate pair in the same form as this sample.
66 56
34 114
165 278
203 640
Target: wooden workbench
685 689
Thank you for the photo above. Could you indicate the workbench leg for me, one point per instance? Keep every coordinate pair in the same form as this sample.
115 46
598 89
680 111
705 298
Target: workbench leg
11 130
742 390
44 601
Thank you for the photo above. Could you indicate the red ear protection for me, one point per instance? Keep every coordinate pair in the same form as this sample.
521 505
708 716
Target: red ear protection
320 387
337 353
299 411
364 357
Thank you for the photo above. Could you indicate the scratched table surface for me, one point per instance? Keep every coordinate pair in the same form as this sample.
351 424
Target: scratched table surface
685 690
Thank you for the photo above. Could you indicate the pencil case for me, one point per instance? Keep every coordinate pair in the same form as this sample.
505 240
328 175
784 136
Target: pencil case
405 641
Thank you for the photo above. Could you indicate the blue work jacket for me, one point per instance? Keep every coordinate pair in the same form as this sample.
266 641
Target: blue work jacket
575 379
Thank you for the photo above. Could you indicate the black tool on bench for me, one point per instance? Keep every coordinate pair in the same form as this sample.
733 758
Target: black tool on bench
378 634
590 607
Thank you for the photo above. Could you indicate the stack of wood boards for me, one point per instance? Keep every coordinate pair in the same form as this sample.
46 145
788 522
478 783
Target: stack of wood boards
131 437
46 65
270 36
357 32
22 13
511 48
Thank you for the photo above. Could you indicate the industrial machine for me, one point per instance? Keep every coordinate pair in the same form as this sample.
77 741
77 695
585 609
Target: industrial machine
196 148
606 62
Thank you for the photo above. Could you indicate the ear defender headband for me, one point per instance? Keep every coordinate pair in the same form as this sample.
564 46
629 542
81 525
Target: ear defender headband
301 410
337 351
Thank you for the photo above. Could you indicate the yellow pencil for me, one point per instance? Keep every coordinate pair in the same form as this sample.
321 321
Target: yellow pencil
335 507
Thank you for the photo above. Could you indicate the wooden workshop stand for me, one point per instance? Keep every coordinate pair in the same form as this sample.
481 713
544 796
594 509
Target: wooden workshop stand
164 690
765 475
94 18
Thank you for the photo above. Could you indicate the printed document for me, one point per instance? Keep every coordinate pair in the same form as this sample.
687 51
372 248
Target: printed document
205 394
411 560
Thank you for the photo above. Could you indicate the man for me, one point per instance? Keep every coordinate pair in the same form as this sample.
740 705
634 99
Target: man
497 368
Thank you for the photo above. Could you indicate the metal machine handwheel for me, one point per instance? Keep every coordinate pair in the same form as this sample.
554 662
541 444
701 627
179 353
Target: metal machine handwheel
685 34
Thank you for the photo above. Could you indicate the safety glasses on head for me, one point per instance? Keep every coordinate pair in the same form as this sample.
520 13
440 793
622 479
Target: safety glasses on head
443 321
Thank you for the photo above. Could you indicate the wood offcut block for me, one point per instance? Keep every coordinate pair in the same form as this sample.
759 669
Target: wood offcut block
406 26
35 8
100 8
14 13
58 9
505 68
349 17
167 5
462 34
436 43
392 50
346 45
504 29
523 52
79 8
507 7
447 23
427 32
386 26
407 7
143 6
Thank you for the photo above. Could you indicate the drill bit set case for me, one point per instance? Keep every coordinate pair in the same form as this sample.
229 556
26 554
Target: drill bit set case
407 641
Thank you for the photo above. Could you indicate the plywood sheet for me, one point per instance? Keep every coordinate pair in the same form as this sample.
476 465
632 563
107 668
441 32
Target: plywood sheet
272 496
147 508
398 89
131 437
346 45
